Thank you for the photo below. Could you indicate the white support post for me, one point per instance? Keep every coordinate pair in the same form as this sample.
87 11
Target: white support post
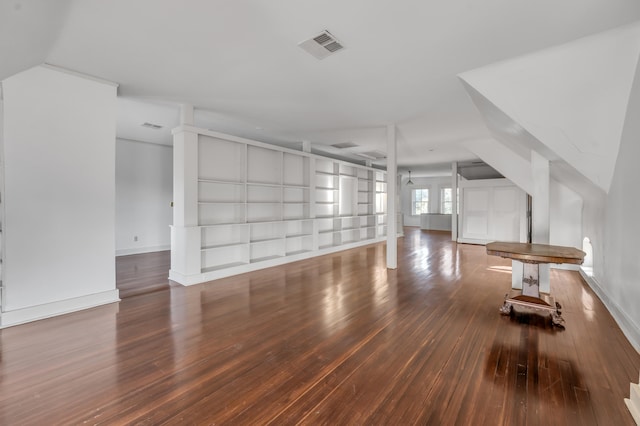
540 211
399 216
517 267
392 177
306 146
185 179
186 114
454 201
517 273
185 233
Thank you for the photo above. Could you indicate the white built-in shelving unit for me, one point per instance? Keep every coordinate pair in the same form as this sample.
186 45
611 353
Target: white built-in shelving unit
381 203
2 234
345 206
2 295
243 205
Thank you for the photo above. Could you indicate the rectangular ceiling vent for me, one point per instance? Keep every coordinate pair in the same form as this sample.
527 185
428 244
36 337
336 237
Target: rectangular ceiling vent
344 145
151 125
322 45
372 155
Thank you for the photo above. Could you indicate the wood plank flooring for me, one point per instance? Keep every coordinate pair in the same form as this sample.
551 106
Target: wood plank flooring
142 273
333 340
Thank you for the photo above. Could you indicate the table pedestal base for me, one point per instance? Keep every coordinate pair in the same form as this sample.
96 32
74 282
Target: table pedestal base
544 303
532 255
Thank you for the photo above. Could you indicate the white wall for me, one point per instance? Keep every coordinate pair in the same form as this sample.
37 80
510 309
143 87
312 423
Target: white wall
433 184
613 227
59 150
565 212
1 197
144 188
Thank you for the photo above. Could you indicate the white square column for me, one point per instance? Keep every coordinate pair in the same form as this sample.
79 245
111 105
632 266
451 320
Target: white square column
454 201
392 189
185 232
540 211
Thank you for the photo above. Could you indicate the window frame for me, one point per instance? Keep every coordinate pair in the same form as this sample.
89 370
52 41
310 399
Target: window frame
442 200
414 203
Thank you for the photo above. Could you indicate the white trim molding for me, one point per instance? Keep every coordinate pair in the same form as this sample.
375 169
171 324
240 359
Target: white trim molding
127 252
626 324
48 310
79 74
188 280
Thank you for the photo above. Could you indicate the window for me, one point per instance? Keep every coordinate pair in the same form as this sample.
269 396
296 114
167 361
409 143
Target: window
381 202
419 201
446 201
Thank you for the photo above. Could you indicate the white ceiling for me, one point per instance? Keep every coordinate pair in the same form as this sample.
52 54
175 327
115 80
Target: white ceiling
239 64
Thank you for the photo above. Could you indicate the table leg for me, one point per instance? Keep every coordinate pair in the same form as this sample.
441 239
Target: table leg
530 282
506 306
556 319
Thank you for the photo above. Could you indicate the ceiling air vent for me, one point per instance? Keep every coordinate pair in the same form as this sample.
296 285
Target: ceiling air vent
344 145
322 45
151 125
372 155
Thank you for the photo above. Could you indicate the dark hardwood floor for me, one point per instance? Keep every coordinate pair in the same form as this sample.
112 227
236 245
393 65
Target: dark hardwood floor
142 273
333 340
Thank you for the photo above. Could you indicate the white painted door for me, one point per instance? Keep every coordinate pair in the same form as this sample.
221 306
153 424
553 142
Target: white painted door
475 213
491 213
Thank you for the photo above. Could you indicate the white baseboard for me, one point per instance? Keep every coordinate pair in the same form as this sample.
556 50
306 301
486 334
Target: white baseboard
140 250
473 241
48 310
565 266
187 280
626 324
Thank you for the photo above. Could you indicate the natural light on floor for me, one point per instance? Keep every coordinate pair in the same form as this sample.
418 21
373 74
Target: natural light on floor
504 269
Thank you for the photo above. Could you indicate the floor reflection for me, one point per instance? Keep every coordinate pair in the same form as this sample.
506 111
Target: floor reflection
536 377
426 258
338 339
587 304
503 269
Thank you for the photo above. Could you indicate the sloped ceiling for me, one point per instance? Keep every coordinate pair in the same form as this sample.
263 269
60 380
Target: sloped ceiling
568 102
28 31
239 64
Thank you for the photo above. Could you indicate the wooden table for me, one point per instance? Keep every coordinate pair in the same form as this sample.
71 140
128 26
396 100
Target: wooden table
532 255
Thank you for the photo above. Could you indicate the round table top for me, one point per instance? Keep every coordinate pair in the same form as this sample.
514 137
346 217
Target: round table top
536 253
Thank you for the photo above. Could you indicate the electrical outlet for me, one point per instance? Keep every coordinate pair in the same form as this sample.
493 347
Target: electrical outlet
135 238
